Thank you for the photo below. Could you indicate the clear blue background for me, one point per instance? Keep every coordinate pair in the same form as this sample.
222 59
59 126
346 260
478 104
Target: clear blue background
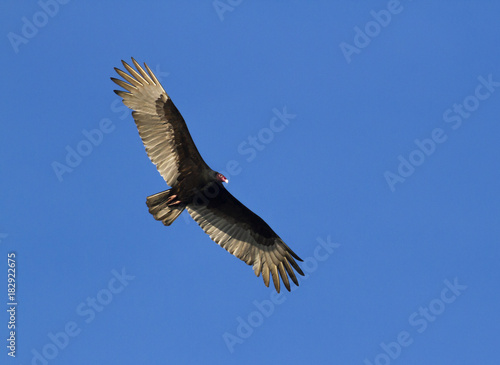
322 176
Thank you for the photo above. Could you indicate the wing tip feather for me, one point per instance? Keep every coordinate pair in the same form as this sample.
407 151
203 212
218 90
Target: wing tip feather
121 93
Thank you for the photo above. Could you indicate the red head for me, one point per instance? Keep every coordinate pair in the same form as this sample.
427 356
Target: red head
222 178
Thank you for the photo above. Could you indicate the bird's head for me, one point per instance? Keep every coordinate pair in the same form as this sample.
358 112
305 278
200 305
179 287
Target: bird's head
216 176
221 178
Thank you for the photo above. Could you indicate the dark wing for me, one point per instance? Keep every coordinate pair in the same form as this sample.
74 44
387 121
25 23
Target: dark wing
161 127
245 235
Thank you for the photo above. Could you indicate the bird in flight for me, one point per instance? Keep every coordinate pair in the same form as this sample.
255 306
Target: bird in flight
195 186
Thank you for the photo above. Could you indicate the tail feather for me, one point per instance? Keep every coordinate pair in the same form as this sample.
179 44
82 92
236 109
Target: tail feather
160 210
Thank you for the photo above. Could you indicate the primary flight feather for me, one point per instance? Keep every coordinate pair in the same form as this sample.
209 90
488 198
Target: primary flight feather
195 186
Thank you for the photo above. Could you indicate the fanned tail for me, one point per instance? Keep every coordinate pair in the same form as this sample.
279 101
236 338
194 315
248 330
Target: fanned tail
163 207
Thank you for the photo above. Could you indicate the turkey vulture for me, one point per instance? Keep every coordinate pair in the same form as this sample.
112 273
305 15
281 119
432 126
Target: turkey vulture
195 186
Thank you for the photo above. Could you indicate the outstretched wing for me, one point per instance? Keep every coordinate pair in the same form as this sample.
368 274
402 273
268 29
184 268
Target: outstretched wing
161 127
245 235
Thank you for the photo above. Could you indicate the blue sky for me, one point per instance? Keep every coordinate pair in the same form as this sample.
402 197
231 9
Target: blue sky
384 180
